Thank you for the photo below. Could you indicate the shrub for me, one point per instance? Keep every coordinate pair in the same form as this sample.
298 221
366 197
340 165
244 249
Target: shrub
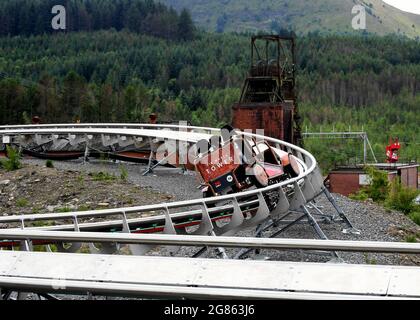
415 216
379 186
401 198
49 164
13 161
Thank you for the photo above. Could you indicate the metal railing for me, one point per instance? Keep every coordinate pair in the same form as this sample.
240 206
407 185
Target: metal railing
228 242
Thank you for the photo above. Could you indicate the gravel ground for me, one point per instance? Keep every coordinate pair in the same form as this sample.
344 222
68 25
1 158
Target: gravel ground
374 222
171 181
37 189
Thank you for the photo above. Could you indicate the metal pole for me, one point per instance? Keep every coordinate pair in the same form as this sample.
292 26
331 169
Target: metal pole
195 240
365 148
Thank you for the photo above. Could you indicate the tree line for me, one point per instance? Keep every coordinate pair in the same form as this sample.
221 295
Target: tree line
357 81
33 17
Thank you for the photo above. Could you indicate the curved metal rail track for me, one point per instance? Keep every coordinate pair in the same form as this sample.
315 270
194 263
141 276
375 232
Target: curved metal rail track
243 210
183 222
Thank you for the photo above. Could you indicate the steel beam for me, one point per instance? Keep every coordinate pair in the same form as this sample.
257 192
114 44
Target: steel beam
202 278
233 242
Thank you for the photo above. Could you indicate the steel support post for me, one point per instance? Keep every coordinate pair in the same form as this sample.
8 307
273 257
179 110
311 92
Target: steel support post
151 166
243 252
341 213
319 231
86 154
327 217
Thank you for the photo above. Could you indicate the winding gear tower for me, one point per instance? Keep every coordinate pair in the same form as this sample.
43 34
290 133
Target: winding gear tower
268 99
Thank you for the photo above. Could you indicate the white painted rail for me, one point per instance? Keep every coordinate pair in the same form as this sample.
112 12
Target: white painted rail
185 277
307 185
229 242
203 278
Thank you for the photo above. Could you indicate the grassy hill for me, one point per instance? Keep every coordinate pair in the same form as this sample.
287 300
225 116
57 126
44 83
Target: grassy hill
325 16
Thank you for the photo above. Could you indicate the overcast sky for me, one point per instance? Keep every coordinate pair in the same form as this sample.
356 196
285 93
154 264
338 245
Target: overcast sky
406 5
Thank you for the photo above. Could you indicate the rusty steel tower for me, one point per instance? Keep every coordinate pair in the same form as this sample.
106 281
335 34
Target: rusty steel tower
268 100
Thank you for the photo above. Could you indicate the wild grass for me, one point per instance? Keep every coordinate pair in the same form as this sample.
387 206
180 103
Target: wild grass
13 162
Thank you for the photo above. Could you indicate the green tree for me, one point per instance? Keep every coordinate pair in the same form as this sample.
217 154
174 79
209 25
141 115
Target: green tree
185 26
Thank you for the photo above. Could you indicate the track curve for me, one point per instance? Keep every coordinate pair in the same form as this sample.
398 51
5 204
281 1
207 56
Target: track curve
244 209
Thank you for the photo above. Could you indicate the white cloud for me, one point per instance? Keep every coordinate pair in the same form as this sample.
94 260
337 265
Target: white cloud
405 5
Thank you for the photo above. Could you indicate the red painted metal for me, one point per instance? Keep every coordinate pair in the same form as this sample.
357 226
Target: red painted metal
392 150
217 163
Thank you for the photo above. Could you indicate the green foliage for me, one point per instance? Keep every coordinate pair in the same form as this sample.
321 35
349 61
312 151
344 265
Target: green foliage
368 260
411 238
123 173
42 223
80 178
378 189
103 176
141 16
36 210
43 248
22 202
83 207
110 76
394 195
401 198
25 118
64 209
415 215
13 162
49 164
103 156
359 196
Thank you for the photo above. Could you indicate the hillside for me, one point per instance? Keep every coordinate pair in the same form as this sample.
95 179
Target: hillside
326 16
368 82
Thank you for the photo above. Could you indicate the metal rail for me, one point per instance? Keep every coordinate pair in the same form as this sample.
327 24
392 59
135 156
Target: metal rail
198 278
312 183
202 278
168 135
118 211
111 125
229 242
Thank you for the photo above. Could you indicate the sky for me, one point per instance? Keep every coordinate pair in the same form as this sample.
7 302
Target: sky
406 5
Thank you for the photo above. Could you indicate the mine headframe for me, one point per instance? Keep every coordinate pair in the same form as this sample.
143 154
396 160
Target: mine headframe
272 72
268 99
